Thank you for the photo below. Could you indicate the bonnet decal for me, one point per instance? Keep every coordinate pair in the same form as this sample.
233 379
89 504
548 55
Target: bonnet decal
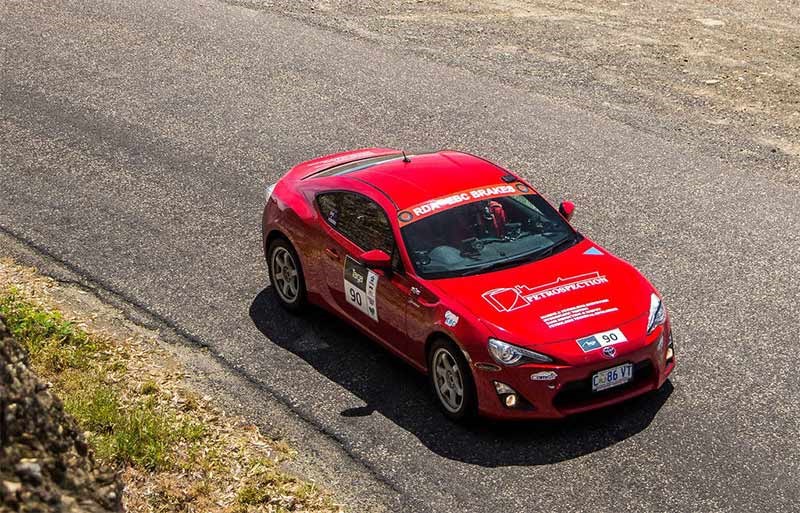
508 299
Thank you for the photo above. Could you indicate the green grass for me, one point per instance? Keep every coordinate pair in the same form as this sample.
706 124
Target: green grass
134 431
149 387
53 343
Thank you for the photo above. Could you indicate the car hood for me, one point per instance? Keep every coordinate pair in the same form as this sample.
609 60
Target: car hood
580 291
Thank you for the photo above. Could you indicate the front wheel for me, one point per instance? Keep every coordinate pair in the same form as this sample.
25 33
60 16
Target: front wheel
451 380
286 275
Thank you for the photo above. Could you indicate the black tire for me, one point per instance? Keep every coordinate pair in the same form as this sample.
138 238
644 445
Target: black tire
467 408
282 250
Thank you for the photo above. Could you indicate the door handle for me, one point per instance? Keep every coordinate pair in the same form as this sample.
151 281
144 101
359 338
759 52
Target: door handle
332 254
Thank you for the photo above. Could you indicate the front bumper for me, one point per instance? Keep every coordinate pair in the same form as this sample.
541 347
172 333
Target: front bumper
571 391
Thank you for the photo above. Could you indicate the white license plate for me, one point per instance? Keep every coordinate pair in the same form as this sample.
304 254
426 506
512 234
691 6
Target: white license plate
612 377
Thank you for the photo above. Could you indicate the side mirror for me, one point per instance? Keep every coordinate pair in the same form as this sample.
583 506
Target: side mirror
376 259
566 209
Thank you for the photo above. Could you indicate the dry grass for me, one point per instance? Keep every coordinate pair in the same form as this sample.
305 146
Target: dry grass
178 452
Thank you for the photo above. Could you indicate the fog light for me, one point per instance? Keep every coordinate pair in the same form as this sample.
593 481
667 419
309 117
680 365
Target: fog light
670 353
508 396
502 388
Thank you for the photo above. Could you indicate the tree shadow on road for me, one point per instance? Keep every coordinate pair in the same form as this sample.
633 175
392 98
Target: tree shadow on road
395 390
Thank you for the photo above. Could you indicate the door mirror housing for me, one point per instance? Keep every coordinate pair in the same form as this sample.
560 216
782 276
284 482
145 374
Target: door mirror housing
566 209
376 259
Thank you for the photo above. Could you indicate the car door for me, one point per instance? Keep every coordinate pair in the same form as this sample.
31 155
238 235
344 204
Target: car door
374 299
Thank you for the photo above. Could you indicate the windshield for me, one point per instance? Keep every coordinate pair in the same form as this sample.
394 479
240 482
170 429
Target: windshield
486 235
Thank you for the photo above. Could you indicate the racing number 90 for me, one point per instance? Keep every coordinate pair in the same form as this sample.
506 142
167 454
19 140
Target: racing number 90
610 337
355 297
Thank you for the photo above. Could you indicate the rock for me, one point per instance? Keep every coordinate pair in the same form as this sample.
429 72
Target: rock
711 81
45 464
11 487
711 22
29 471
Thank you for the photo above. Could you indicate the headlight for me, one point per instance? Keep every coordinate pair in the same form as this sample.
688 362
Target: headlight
657 313
268 191
509 354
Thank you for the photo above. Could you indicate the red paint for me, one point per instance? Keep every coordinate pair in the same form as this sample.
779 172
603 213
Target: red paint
545 305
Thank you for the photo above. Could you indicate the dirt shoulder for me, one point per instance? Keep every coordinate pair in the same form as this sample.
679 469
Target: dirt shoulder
132 403
724 76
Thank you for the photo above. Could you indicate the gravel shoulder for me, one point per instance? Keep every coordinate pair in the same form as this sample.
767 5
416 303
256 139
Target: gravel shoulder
725 77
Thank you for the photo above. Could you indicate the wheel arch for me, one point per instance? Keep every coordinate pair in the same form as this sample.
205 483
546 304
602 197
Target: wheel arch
273 234
440 334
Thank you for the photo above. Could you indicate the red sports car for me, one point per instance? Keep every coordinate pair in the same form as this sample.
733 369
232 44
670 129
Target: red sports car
463 270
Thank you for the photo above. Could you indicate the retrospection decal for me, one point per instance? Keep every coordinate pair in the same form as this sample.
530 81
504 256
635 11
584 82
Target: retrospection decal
450 319
508 299
602 339
360 285
576 313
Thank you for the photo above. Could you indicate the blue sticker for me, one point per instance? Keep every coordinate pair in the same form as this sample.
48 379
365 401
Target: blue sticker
592 251
588 343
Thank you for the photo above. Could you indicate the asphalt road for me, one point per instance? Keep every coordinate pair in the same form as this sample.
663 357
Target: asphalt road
135 141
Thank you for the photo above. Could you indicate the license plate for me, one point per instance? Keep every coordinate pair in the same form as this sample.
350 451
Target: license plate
612 377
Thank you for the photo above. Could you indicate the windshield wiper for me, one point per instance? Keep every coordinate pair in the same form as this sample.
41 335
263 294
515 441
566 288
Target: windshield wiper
528 257
550 249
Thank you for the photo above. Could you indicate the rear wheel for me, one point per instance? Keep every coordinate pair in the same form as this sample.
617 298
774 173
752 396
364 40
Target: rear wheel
451 380
286 275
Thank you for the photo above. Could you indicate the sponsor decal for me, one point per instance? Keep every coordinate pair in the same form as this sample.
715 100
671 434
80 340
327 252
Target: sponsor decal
508 299
544 376
405 216
610 352
593 251
576 313
450 319
603 339
432 206
333 215
360 285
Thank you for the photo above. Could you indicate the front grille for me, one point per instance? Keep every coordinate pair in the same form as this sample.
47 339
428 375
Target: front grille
579 393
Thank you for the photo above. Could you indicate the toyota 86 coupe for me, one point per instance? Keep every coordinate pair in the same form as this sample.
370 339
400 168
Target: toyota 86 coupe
463 270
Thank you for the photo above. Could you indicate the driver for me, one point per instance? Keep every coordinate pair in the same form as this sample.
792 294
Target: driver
491 219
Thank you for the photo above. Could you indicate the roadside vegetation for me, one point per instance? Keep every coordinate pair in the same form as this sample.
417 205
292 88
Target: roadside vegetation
177 452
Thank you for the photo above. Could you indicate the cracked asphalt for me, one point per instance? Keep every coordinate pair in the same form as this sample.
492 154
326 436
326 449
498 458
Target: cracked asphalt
135 142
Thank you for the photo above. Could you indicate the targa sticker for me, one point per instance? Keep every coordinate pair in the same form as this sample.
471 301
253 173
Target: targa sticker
450 319
602 339
360 285
507 299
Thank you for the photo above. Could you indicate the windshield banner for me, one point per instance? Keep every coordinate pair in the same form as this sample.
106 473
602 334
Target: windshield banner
424 209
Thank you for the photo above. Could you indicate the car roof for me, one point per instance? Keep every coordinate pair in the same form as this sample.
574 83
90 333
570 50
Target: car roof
428 176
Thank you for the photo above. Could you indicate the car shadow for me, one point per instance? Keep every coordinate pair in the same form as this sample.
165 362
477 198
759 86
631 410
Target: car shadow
389 386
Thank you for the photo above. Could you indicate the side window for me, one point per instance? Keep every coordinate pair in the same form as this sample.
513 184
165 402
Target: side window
359 219
365 223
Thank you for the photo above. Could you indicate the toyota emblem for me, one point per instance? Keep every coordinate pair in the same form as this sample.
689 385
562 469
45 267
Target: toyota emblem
609 352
